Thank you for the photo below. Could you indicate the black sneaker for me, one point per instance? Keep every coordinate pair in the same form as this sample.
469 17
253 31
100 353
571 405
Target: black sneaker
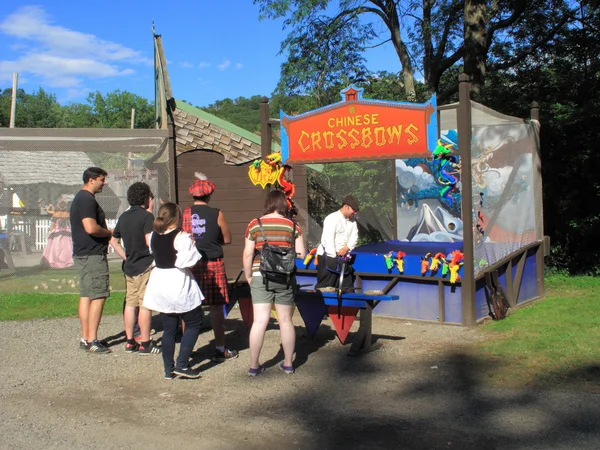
169 376
149 349
84 345
97 347
186 373
222 356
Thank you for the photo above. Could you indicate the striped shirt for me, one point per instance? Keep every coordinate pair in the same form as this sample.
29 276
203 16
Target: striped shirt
279 232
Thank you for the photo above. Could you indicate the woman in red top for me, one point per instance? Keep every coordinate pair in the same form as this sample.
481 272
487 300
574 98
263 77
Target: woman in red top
279 231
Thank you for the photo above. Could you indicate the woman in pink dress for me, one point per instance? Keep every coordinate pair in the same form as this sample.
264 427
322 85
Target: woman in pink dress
58 253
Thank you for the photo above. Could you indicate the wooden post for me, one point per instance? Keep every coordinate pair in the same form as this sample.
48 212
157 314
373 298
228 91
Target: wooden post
168 106
13 100
464 149
130 155
266 134
172 151
538 200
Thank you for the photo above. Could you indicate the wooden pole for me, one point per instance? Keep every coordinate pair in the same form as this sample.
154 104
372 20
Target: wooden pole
266 135
130 155
266 132
13 100
464 149
538 200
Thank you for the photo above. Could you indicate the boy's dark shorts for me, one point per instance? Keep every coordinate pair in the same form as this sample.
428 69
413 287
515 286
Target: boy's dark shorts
93 275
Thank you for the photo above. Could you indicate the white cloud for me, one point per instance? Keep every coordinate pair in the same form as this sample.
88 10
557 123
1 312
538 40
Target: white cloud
203 64
77 93
18 47
224 65
59 56
186 65
238 66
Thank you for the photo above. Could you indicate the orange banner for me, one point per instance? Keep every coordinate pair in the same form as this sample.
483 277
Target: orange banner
360 130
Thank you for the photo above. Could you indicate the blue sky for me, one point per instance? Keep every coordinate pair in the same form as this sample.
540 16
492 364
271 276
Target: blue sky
214 50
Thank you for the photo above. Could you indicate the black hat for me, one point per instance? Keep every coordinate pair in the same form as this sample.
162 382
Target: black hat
351 202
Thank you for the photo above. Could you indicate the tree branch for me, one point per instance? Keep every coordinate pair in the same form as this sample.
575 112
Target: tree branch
360 10
448 62
517 12
455 9
380 44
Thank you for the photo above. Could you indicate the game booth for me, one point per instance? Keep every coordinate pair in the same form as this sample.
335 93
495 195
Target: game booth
467 236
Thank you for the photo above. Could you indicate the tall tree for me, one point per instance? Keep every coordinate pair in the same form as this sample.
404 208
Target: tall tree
37 110
564 80
328 39
113 110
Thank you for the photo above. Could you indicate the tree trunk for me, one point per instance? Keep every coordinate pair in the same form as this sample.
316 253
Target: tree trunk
475 35
407 70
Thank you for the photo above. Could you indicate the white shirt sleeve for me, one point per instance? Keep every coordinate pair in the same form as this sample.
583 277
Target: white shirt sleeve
328 236
353 240
150 246
187 254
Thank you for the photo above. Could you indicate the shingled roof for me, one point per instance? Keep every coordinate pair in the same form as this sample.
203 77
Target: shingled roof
21 168
59 155
196 129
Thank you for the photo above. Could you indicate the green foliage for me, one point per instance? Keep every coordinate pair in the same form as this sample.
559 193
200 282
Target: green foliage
37 110
41 110
369 182
243 112
327 40
114 110
564 81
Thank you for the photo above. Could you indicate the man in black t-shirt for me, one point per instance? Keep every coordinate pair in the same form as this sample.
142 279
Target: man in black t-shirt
134 227
90 245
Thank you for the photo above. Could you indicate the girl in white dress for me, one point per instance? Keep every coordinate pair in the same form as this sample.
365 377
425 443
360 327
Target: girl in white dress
172 290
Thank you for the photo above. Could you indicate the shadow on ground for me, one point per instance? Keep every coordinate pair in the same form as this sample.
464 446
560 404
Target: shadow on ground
444 407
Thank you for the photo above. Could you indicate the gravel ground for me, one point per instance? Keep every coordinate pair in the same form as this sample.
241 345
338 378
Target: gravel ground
421 390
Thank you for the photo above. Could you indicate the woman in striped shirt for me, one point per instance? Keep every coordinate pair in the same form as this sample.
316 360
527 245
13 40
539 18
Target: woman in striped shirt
279 231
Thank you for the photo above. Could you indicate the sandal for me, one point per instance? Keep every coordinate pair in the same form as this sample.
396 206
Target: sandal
255 372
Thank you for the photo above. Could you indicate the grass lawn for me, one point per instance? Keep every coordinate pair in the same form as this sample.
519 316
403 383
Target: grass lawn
30 280
50 306
556 340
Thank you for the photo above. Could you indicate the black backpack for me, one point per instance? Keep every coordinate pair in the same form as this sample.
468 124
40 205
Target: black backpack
277 263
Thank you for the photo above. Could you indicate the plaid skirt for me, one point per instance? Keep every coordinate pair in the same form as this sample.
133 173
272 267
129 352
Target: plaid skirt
212 279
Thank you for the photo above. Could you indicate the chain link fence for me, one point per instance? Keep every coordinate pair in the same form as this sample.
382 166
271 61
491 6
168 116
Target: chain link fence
40 173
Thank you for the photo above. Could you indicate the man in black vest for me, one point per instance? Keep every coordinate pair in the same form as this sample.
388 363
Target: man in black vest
210 231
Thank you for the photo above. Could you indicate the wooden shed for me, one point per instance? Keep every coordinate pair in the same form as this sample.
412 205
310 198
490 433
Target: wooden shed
224 152
202 142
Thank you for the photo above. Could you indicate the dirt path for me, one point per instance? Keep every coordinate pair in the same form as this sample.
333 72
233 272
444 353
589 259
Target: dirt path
420 391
